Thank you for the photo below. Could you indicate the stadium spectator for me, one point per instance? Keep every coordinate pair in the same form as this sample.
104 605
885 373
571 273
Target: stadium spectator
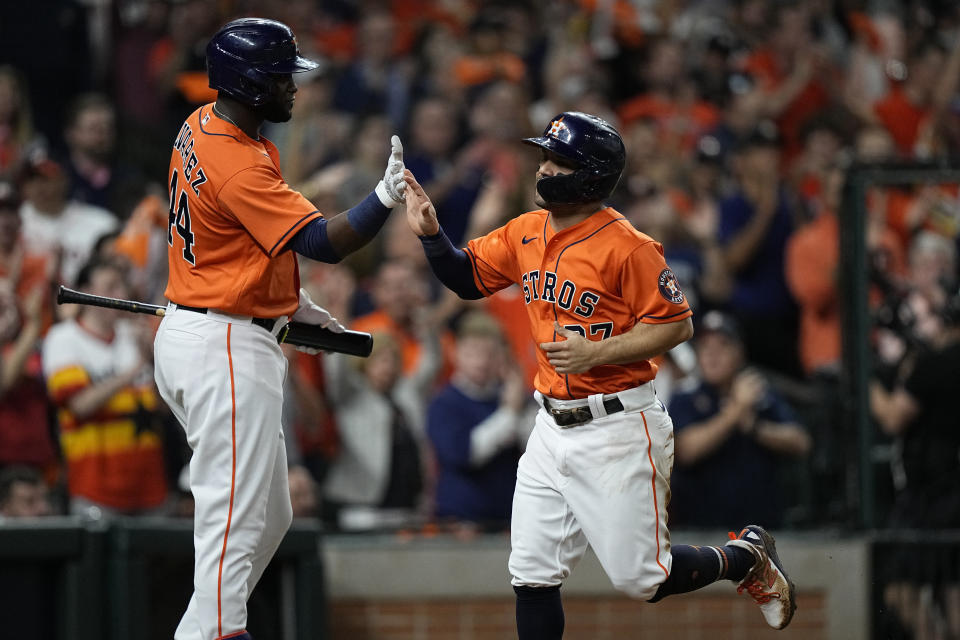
25 314
303 492
812 263
755 223
63 229
917 412
437 48
26 270
732 431
486 58
29 589
431 151
99 373
95 174
376 81
380 467
670 100
399 293
143 243
25 419
23 494
569 73
478 425
918 94
822 139
177 62
16 121
319 135
497 118
794 72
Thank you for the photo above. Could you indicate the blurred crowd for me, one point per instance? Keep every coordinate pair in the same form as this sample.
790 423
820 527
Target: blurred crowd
740 117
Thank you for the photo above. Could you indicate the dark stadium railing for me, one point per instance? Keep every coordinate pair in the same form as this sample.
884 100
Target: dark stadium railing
131 579
856 320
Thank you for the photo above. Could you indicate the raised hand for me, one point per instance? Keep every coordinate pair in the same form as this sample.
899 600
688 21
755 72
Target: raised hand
421 215
390 189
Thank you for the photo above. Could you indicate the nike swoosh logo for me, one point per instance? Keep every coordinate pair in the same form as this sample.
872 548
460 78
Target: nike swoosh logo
527 240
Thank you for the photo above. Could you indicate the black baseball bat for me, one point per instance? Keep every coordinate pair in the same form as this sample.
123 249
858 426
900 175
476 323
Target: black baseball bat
299 334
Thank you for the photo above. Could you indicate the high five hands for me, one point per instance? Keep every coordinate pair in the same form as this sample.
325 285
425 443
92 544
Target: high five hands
390 189
421 215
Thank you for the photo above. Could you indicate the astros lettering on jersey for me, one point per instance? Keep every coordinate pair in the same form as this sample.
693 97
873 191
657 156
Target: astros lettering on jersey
231 213
594 278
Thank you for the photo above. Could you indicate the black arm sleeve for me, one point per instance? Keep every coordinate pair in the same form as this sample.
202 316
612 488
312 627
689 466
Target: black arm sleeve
452 266
312 242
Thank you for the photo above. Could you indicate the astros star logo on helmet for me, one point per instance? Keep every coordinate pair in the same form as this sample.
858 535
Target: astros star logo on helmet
556 127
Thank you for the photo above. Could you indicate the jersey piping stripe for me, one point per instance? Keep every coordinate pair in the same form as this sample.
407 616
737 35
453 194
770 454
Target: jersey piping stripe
210 133
473 261
295 225
672 315
233 478
233 635
556 268
653 485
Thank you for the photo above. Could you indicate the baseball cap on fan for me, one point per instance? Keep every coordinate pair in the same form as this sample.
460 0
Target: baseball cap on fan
722 323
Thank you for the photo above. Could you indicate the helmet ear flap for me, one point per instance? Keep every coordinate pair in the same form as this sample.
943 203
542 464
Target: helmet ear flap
581 186
568 188
258 84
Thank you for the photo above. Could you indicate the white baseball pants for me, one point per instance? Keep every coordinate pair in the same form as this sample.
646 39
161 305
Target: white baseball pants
605 483
223 378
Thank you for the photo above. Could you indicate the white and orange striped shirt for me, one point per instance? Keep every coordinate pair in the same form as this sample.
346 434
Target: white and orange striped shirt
114 456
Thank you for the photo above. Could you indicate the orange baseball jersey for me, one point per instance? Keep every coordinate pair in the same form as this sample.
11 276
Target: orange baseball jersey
231 215
599 277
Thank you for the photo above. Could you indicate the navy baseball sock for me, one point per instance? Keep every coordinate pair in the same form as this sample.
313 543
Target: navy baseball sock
696 567
539 613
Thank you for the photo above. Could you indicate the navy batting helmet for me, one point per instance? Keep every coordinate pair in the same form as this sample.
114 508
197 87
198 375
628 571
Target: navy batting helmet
595 150
245 55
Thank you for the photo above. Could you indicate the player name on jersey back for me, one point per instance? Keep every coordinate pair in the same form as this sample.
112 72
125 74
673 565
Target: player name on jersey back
231 215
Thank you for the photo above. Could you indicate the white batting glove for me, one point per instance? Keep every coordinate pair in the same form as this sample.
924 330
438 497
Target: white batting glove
390 189
311 313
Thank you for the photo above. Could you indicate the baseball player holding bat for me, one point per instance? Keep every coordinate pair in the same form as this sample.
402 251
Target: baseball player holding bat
234 229
601 302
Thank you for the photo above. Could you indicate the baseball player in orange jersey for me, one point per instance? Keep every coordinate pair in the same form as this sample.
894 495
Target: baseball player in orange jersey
601 302
233 228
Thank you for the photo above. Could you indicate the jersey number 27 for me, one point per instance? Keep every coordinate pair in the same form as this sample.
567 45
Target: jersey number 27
180 218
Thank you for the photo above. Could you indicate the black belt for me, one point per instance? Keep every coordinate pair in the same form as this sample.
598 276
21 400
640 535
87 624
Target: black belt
266 323
579 415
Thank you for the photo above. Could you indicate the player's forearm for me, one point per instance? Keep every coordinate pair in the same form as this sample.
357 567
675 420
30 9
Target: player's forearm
354 228
452 266
642 342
